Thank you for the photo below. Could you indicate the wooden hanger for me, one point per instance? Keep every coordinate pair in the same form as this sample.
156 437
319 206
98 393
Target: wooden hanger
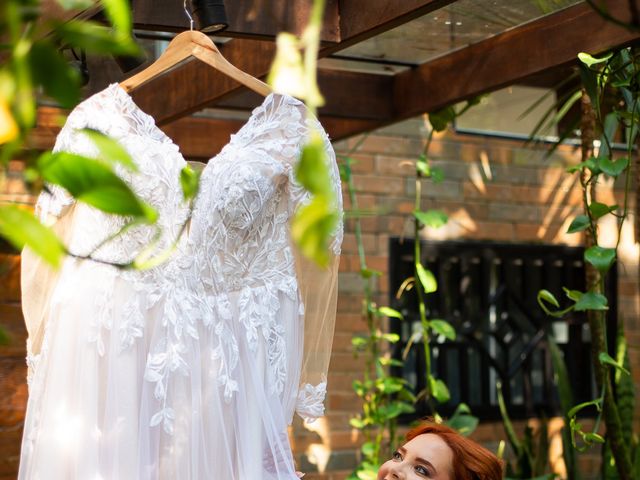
194 44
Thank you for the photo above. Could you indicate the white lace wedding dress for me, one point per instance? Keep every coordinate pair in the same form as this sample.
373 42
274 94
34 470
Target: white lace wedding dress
193 369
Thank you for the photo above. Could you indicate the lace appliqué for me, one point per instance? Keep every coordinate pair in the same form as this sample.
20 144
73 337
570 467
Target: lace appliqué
310 404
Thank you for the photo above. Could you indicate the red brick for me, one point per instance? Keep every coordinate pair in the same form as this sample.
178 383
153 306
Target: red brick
491 231
378 184
396 166
363 163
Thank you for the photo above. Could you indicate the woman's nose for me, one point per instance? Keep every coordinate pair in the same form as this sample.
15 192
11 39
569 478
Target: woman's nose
396 471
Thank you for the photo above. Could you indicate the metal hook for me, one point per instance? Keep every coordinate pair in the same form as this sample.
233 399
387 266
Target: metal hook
186 11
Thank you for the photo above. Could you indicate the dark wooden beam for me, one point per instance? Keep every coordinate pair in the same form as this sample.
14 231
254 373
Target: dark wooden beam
257 19
509 58
347 95
362 19
195 85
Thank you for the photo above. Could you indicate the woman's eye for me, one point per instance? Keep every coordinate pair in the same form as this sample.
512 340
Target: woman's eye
396 456
420 470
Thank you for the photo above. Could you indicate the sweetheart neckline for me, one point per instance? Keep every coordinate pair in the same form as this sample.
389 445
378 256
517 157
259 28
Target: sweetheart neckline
116 90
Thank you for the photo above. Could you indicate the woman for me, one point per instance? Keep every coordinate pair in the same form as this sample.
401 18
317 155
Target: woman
438 452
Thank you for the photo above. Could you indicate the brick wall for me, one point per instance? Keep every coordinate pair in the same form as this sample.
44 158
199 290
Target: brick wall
494 190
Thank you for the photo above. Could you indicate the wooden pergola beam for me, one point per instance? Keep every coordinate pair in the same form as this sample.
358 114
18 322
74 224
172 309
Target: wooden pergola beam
363 96
509 58
363 19
256 19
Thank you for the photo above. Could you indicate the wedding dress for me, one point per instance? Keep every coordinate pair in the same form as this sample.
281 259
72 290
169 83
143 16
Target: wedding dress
192 369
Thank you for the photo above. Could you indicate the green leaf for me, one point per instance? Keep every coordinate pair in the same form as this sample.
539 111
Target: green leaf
613 168
599 210
439 390
572 294
312 227
423 166
592 437
388 361
368 448
391 337
190 182
390 312
312 171
462 420
431 218
589 61
21 228
606 359
437 175
442 327
119 14
93 182
358 342
591 301
596 403
58 79
370 272
94 38
390 384
440 119
580 223
356 423
111 151
548 297
428 281
599 257
367 475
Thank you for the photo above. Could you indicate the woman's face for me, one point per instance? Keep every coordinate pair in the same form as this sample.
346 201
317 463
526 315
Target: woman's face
425 456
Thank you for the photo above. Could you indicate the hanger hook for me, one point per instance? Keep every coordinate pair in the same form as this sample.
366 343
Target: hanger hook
186 10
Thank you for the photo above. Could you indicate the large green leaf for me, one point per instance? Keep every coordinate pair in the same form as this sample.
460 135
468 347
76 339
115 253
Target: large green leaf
440 119
590 60
462 420
580 223
58 79
431 218
591 301
20 227
119 14
600 257
427 279
439 390
599 210
442 327
312 171
110 150
93 182
190 182
312 227
390 312
94 38
613 168
605 359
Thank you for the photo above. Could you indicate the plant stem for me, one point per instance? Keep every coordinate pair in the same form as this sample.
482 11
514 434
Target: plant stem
596 318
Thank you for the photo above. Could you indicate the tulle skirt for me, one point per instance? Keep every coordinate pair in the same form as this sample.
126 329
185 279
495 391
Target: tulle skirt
115 396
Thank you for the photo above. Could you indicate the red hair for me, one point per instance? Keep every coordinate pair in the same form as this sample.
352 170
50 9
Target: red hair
470 460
